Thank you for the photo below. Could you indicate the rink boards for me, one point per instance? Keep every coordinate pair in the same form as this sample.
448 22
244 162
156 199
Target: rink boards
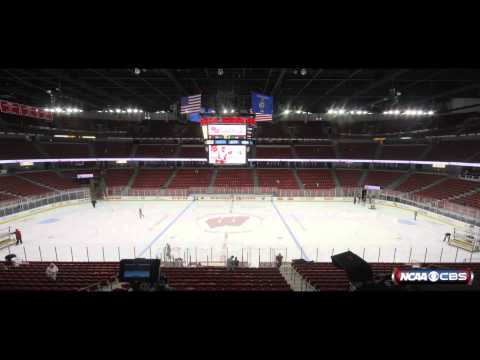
421 212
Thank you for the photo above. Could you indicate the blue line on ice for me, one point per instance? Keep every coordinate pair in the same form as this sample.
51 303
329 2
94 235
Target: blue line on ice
298 221
166 228
291 232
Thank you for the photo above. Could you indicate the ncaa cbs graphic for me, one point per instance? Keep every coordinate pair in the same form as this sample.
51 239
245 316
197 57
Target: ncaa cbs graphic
427 276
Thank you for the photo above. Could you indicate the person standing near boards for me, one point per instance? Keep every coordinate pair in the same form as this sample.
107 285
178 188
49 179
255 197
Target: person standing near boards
18 236
415 215
140 213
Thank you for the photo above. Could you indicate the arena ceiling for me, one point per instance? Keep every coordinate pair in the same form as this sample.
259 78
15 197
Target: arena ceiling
313 90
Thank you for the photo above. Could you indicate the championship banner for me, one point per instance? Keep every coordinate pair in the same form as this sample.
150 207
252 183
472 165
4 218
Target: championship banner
8 107
262 106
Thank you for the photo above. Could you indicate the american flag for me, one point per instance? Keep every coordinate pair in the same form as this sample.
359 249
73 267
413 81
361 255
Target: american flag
190 104
263 117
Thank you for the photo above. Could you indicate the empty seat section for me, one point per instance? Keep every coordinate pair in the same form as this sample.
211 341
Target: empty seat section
220 279
357 150
113 149
316 179
282 178
417 181
271 131
311 130
118 177
472 200
234 178
323 276
158 151
51 179
453 150
72 276
476 158
185 178
6 197
164 129
348 178
190 131
151 178
315 152
402 152
449 188
193 152
66 150
11 149
274 152
327 277
18 186
381 178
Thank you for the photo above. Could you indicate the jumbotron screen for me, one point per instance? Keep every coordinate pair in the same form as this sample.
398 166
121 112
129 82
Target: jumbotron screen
219 131
227 154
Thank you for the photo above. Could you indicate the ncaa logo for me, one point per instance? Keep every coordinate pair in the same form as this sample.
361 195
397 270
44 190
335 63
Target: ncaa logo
433 276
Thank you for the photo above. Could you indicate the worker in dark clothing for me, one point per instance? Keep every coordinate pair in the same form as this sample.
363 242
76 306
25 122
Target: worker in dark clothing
278 260
18 236
447 237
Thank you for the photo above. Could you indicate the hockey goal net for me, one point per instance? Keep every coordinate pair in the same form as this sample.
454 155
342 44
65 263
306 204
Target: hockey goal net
467 239
6 239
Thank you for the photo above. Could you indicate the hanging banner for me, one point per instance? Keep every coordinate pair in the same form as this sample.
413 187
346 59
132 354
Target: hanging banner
8 107
262 106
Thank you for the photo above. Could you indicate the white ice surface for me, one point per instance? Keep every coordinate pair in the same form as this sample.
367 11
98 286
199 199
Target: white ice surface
313 230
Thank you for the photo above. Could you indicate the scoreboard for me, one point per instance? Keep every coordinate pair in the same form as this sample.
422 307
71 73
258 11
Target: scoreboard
221 131
228 138
227 154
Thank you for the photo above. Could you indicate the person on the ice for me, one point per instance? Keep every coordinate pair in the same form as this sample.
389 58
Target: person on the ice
447 237
354 200
278 260
231 263
168 252
140 213
52 271
18 236
94 202
415 215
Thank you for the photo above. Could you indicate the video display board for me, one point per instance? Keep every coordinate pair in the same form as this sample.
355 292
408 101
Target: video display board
220 131
227 154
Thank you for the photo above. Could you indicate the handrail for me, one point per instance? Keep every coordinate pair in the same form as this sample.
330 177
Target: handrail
32 202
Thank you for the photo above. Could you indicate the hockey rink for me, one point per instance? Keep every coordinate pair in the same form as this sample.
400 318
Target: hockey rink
254 231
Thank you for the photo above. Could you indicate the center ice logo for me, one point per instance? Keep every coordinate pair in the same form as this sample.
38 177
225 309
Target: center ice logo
231 223
227 221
